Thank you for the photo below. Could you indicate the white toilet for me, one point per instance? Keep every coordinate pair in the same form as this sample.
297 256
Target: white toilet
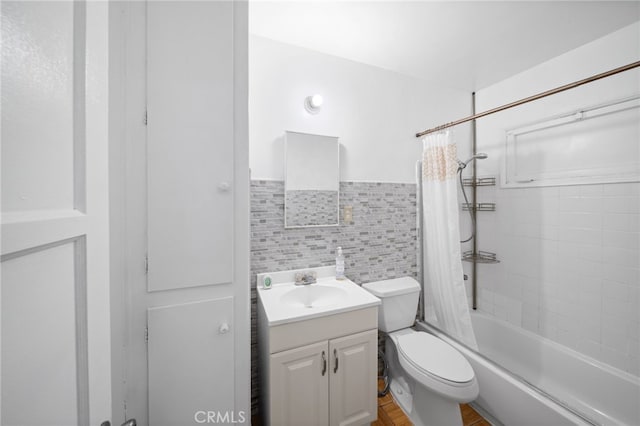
428 377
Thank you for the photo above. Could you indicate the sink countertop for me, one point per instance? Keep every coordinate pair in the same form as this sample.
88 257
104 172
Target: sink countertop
345 296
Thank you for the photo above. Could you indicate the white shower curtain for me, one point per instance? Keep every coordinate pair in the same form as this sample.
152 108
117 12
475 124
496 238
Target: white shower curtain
444 290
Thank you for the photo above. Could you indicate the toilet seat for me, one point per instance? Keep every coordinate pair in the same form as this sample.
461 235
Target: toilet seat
436 365
436 358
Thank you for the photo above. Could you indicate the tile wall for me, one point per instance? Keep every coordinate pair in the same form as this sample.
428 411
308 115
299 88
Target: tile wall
570 266
379 243
311 207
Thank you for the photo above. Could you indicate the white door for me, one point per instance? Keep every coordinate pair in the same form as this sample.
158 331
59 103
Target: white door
184 204
353 388
55 319
299 390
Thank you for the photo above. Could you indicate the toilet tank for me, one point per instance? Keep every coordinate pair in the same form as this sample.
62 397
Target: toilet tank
399 302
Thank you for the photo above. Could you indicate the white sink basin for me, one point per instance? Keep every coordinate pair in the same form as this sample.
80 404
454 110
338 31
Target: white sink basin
286 302
313 296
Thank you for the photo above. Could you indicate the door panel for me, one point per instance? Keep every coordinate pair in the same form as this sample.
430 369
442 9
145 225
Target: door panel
37 114
353 378
191 356
39 317
189 143
55 258
299 389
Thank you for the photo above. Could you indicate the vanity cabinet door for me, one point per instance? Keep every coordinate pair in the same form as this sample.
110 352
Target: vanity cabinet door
299 390
353 388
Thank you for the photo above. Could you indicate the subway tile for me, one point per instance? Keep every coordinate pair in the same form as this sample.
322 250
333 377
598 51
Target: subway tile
591 285
568 191
590 347
634 365
614 358
570 204
625 205
625 189
591 190
616 308
621 222
623 240
590 328
617 291
621 257
568 339
568 293
615 339
621 274
591 302
580 204
589 272
549 232
634 341
580 220
550 215
568 323
578 268
578 235
530 230
548 330
590 252
568 249
485 299
530 324
514 315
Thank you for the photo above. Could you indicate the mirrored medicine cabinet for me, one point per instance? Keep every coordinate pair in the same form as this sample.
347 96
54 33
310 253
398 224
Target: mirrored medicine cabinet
312 180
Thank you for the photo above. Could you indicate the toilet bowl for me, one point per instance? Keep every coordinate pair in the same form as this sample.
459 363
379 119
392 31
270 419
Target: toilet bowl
428 377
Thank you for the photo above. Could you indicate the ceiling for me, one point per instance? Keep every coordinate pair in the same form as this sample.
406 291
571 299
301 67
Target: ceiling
467 45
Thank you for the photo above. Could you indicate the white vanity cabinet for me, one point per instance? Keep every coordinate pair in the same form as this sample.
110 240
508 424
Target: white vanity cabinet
320 371
353 379
299 386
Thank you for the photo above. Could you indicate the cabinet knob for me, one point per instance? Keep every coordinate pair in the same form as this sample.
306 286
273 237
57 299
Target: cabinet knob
224 328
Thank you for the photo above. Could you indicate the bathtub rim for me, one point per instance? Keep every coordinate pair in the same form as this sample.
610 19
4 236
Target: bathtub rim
542 396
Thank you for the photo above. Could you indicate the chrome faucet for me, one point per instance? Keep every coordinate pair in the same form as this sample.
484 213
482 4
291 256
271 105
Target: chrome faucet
306 278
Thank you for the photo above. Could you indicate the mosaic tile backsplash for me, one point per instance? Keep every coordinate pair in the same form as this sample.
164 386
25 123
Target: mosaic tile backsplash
311 207
379 243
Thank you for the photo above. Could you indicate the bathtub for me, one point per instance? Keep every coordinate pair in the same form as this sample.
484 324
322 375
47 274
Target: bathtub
596 392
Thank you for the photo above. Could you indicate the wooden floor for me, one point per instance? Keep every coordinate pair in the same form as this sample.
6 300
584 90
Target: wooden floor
390 414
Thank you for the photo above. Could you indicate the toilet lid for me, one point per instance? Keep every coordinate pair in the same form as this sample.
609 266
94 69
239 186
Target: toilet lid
435 357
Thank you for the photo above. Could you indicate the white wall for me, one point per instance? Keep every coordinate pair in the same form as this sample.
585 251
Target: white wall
570 255
374 112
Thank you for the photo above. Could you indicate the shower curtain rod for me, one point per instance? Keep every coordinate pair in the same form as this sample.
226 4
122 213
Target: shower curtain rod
532 98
